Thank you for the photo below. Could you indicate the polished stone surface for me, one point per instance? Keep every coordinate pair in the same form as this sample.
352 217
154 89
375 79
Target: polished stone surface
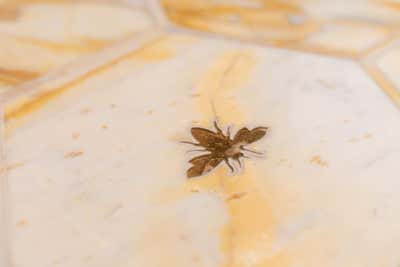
96 171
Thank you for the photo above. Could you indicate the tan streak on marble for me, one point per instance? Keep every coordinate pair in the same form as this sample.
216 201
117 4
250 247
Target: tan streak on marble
270 23
11 166
80 45
383 82
22 223
14 77
393 5
252 223
22 2
317 159
9 13
230 72
157 50
73 154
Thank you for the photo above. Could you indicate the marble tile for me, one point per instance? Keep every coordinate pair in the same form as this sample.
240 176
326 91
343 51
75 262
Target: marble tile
39 36
102 160
93 112
276 22
339 28
346 38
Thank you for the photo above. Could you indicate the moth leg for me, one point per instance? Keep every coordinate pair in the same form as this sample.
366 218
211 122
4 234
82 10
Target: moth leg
217 127
196 150
253 151
239 162
229 165
190 143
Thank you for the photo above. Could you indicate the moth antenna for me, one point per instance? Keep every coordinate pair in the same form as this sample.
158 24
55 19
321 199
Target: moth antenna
216 120
228 69
228 131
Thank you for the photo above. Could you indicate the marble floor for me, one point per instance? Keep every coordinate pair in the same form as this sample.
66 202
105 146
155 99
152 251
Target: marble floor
94 111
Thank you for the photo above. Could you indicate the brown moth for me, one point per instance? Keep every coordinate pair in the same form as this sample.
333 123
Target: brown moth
221 147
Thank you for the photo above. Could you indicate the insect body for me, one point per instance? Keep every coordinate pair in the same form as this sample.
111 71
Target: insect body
221 147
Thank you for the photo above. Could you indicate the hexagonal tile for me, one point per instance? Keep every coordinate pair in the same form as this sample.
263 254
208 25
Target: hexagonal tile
102 160
346 38
38 36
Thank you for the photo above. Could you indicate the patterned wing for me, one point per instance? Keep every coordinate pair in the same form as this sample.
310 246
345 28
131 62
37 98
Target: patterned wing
202 165
206 138
246 136
241 135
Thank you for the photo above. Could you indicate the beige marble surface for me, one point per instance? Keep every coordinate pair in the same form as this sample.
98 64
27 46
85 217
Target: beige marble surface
39 36
96 173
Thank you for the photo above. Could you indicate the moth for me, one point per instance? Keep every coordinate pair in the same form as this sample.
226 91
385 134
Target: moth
221 147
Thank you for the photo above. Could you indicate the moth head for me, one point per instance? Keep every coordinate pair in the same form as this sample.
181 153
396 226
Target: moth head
237 155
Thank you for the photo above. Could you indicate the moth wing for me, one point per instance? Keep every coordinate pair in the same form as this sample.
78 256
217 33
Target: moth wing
200 159
246 136
202 164
256 134
241 135
205 137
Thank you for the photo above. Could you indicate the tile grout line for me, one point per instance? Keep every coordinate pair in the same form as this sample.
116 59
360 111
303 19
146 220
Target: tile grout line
173 29
157 11
72 71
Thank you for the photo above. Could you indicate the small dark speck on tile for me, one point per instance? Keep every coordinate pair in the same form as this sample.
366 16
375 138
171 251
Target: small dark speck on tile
75 136
238 195
368 135
317 159
172 104
73 154
183 236
353 140
85 111
283 160
22 223
149 112
195 95
104 127
113 106
196 258
326 84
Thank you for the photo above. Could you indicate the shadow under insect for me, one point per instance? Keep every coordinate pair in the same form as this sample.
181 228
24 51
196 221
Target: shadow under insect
221 147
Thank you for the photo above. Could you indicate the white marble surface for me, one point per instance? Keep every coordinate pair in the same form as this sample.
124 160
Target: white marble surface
97 173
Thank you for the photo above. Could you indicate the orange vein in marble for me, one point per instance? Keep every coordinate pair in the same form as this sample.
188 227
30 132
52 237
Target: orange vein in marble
82 45
9 13
159 49
250 233
270 22
13 76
